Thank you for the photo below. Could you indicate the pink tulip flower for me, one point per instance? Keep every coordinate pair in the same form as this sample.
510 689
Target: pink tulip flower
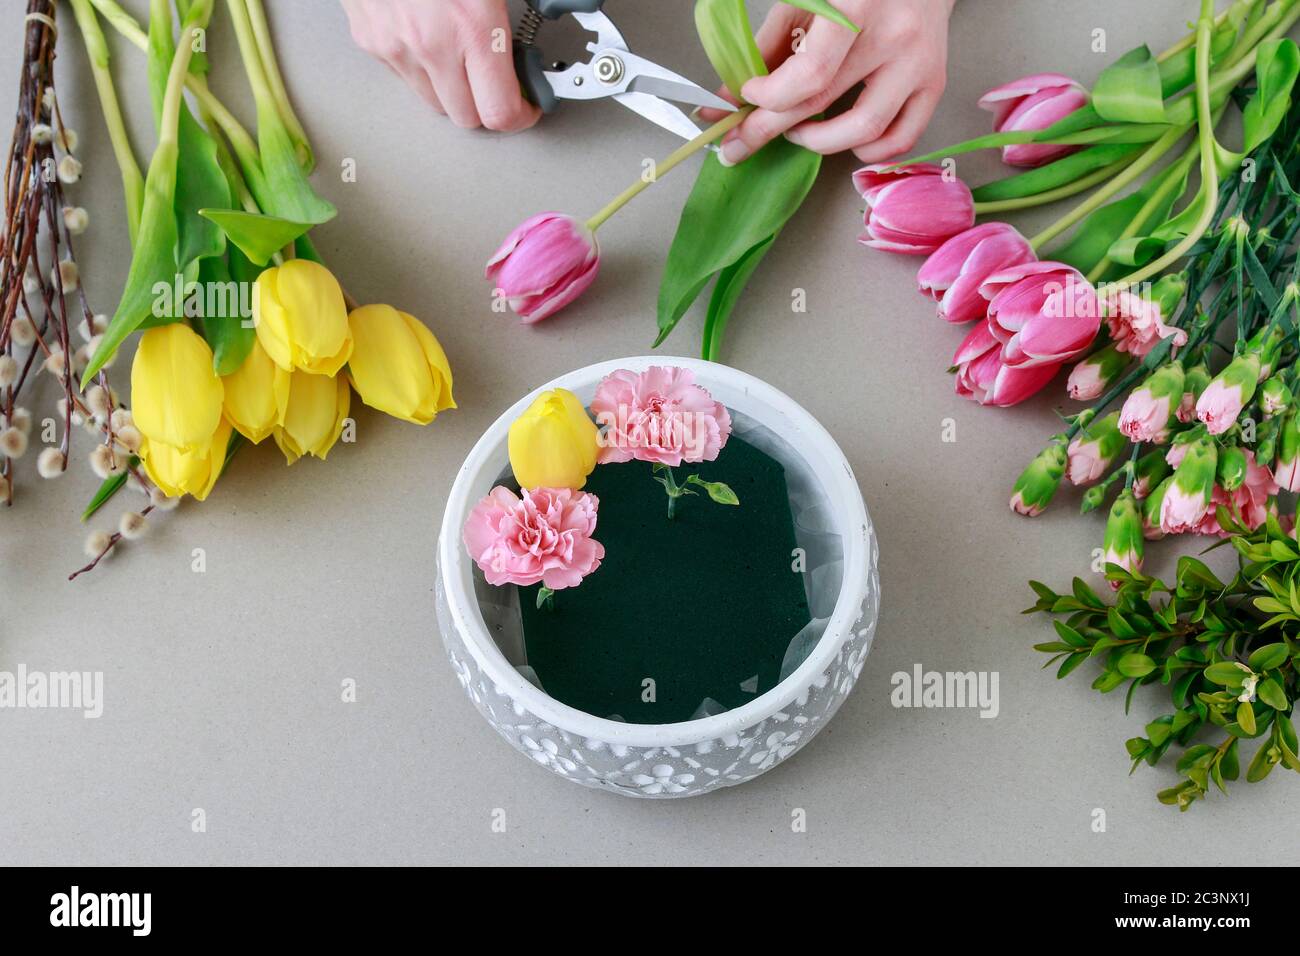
914 209
984 378
1043 313
544 265
1033 103
954 272
541 535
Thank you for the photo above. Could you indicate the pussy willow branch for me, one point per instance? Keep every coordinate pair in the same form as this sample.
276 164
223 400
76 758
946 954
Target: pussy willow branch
34 222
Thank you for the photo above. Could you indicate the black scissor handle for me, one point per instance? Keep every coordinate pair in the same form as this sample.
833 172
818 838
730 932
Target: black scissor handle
529 65
554 9
532 77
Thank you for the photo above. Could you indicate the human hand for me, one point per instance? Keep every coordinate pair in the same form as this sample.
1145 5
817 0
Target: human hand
900 56
456 54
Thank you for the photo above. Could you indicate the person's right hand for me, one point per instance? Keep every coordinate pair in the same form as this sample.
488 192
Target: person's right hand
457 54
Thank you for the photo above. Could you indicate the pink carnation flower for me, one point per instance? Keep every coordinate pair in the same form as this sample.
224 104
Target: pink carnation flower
1136 325
659 415
1250 504
545 536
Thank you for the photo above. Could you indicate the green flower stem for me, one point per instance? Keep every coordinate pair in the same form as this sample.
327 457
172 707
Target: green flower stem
97 50
248 52
1149 158
1190 38
1173 176
169 123
244 144
271 66
716 131
1209 164
1052 195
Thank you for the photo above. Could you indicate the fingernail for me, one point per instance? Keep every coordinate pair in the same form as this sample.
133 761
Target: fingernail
695 113
733 152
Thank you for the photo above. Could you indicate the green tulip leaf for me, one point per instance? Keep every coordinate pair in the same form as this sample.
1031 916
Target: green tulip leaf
824 9
1095 238
730 211
154 257
228 331
1058 173
282 188
257 236
304 248
200 181
1130 89
731 282
1277 64
728 40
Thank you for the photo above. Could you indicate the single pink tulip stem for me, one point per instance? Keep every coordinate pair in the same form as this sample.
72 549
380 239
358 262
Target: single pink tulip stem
714 132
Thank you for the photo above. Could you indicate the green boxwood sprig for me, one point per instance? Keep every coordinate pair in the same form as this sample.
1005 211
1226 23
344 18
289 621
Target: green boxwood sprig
1226 653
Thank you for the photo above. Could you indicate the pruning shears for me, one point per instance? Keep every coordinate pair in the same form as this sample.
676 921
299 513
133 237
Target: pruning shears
613 71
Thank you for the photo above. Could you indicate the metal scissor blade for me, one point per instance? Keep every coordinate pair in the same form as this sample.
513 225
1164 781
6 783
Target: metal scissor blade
660 112
646 76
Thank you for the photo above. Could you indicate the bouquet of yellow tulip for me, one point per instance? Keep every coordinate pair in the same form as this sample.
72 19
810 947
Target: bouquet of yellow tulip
244 333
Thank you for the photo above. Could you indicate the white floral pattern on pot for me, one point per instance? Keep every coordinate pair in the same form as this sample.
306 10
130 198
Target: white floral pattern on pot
680 771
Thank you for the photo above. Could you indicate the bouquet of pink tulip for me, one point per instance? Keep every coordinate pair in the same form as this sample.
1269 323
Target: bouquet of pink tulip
1156 276
1134 297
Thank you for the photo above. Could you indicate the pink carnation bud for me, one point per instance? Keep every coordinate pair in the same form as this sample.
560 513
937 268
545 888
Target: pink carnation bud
544 265
1144 417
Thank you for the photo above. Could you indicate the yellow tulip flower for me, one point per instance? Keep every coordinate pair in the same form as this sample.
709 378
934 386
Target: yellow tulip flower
175 394
178 472
257 394
554 443
313 420
300 317
397 365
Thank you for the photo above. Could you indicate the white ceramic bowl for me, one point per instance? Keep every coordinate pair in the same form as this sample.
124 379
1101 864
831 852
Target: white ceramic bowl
695 756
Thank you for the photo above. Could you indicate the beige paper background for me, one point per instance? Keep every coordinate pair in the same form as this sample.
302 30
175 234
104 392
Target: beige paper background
223 689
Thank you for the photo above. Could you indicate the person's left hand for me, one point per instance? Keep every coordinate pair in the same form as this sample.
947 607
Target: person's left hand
900 56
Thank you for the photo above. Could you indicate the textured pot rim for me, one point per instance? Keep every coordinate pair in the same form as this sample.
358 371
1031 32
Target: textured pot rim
801 430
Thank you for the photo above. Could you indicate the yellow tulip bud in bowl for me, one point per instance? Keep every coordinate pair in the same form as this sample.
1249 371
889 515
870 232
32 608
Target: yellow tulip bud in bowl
178 472
397 365
176 396
554 443
300 317
313 420
257 394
